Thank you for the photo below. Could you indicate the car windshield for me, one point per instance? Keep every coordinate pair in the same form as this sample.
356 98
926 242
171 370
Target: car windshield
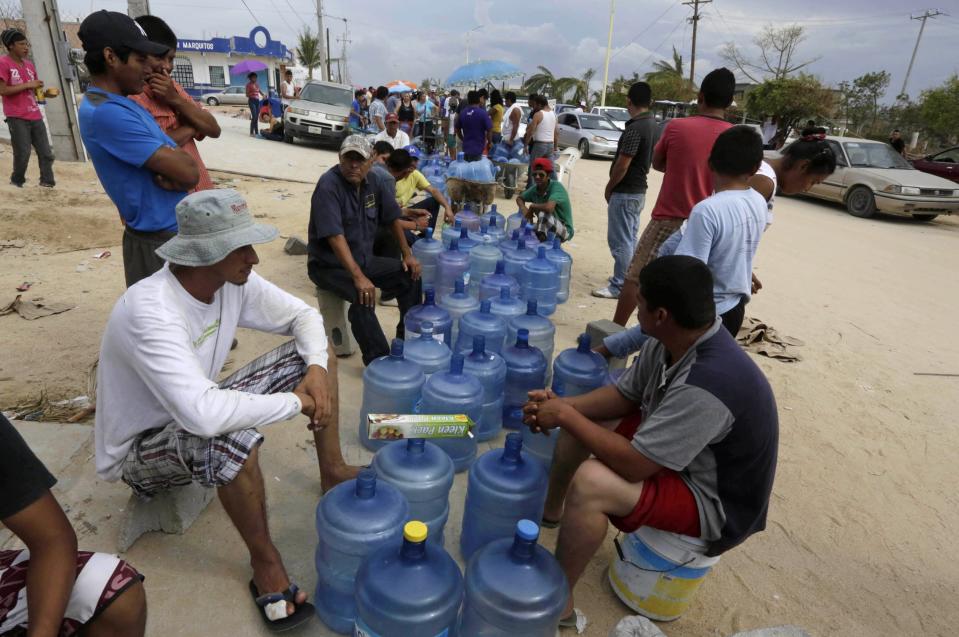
874 155
323 94
595 122
617 115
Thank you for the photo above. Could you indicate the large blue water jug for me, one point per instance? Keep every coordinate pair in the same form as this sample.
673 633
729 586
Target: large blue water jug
564 261
452 265
454 392
514 587
506 306
516 221
430 354
423 473
491 285
516 259
494 214
429 311
465 242
493 232
505 486
391 385
458 168
427 250
481 322
576 371
468 219
529 235
483 260
489 368
542 332
354 519
413 591
458 303
511 242
525 371
485 170
451 232
483 236
541 282
437 180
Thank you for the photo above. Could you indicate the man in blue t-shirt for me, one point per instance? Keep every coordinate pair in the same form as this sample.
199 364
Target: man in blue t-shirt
142 170
474 127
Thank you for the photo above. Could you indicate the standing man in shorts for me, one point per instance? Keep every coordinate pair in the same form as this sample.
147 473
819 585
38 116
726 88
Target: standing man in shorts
682 153
676 446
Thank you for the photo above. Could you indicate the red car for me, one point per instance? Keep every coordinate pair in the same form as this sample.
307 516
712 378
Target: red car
944 164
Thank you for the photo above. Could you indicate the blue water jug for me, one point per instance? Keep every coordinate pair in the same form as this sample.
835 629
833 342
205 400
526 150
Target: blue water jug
391 385
516 259
483 236
493 230
514 587
518 151
576 371
430 354
469 219
457 303
506 307
354 519
452 265
451 232
542 332
454 392
427 250
525 371
541 281
489 368
510 242
493 213
423 473
483 260
429 311
481 322
486 170
413 591
564 261
466 242
516 221
529 235
491 285
458 168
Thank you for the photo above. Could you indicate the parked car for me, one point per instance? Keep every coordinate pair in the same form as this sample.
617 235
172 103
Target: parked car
591 134
229 95
944 164
872 177
321 112
562 108
617 114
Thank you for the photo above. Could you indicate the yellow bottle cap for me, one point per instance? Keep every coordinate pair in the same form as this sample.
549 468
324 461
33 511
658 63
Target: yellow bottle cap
415 531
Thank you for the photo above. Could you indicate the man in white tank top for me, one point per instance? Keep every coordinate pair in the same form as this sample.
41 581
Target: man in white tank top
541 132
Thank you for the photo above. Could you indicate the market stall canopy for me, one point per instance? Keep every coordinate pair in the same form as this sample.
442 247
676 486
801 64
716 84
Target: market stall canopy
483 71
401 86
248 66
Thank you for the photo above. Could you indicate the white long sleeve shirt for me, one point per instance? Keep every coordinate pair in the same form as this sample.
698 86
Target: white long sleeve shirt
163 348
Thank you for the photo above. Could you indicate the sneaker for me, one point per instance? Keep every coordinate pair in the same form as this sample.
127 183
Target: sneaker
46 185
605 293
13 183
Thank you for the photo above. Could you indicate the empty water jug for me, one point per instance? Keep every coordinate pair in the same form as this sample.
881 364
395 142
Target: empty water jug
452 266
423 473
513 587
507 307
516 221
494 214
511 242
468 219
564 261
529 235
436 179
391 385
354 519
489 368
541 331
505 486
451 232
430 354
466 242
457 168
483 260
525 371
516 259
429 311
481 322
541 282
454 392
491 285
494 229
412 591
483 236
457 303
427 250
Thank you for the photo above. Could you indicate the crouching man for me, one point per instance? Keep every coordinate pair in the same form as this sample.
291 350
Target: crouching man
686 442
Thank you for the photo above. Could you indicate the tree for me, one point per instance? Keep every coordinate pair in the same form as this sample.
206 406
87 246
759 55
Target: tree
579 86
940 110
308 50
664 68
542 82
791 100
777 52
668 80
861 98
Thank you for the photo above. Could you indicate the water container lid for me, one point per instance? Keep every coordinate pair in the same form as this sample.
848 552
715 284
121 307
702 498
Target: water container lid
396 347
454 242
541 252
521 244
485 306
428 232
527 530
429 296
459 287
582 343
457 223
492 209
415 531
479 341
556 243
531 307
464 232
500 266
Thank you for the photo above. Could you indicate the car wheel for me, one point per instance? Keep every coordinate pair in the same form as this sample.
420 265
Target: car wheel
212 101
924 217
860 202
583 147
287 136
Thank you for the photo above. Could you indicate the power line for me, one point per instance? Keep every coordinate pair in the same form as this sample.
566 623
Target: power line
653 51
922 18
296 13
255 21
651 25
695 20
277 10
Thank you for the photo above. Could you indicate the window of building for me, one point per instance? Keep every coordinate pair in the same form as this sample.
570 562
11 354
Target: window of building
217 78
183 71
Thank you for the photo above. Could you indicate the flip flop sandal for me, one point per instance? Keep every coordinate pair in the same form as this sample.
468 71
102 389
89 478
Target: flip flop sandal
549 524
569 621
302 613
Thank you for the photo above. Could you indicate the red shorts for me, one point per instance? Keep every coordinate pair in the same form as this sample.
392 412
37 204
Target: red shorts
666 502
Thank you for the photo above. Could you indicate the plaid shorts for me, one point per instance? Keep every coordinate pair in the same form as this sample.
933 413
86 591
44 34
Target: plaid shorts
169 456
546 222
655 233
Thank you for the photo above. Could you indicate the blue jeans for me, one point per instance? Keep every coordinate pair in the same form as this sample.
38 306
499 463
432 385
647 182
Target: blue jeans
622 214
254 115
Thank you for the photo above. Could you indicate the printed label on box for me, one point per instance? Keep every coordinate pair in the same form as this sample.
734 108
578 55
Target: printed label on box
400 426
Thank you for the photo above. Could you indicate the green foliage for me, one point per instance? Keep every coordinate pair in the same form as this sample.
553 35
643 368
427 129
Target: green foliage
543 82
668 81
791 100
308 50
940 110
861 99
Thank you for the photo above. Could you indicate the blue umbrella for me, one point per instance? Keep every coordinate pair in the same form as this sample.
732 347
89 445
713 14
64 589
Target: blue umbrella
248 66
482 71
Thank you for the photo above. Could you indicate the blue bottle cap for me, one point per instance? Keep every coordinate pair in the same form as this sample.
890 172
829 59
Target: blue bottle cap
429 296
366 484
415 445
428 232
457 223
556 243
584 342
464 232
459 287
531 307
501 267
527 530
456 364
485 307
454 244
396 348
521 244
541 252
479 342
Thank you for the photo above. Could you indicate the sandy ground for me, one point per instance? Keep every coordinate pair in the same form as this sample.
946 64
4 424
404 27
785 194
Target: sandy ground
859 538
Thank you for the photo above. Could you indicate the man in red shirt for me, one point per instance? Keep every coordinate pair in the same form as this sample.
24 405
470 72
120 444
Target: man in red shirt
682 153
18 83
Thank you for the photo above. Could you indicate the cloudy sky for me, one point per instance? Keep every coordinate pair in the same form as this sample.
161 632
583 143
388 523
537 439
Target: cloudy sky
415 39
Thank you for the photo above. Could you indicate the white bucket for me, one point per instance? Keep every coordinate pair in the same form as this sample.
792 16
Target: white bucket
657 573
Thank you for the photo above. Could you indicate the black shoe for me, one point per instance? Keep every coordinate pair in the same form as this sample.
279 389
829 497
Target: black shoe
13 183
45 185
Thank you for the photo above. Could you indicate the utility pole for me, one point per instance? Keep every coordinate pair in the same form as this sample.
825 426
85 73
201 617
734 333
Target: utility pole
50 53
345 69
695 20
136 8
324 70
922 18
609 46
329 70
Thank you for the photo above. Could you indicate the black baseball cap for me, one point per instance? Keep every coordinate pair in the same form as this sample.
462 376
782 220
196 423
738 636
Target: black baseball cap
112 29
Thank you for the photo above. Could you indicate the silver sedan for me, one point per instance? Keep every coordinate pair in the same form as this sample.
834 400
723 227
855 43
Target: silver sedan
229 95
591 134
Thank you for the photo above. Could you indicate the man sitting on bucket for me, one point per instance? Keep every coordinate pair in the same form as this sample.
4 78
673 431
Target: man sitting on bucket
162 419
685 442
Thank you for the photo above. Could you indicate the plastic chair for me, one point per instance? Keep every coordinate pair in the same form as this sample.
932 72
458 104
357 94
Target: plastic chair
564 165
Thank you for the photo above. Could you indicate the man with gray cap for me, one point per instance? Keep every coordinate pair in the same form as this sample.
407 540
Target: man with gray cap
163 420
349 204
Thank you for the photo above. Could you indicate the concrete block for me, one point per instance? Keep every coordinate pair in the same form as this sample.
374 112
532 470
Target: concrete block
336 322
598 330
295 246
172 511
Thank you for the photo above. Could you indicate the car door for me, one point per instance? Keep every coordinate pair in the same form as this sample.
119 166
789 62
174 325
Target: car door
565 130
832 186
944 164
235 95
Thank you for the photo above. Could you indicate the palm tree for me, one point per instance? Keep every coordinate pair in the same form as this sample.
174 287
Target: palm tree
308 50
542 82
581 86
662 68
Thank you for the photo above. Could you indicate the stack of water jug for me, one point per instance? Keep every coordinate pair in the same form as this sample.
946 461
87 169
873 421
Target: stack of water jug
482 170
506 153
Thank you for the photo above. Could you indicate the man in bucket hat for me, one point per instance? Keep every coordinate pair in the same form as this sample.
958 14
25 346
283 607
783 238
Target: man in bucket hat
163 420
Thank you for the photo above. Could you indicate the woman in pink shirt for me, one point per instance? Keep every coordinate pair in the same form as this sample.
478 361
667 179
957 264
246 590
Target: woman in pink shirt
253 99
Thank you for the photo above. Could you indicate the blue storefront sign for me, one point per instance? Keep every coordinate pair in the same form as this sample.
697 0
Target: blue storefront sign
263 45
